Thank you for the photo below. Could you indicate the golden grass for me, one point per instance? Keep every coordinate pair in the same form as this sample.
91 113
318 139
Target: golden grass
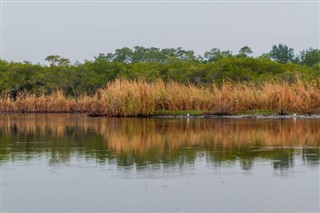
139 98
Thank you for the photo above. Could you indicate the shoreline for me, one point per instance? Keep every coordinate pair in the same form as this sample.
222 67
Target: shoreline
248 116
203 116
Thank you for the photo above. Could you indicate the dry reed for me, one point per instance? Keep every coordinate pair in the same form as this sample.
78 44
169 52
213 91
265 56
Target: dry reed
139 98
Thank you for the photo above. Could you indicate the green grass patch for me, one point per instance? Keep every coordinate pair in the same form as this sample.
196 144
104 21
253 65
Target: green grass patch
258 112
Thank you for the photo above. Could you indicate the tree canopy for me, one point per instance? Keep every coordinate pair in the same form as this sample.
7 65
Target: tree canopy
153 63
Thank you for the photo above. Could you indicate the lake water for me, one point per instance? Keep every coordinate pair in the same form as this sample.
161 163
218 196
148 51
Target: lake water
74 163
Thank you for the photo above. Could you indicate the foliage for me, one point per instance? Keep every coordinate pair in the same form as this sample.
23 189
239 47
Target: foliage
150 64
282 53
310 57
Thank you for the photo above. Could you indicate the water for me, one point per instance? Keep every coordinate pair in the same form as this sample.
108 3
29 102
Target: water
73 163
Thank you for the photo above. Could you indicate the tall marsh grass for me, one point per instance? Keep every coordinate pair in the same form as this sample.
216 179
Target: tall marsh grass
139 98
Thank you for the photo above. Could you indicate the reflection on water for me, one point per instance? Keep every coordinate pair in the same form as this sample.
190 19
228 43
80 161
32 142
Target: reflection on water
141 143
73 163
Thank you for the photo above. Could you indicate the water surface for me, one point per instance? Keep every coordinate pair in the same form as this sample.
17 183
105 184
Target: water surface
73 163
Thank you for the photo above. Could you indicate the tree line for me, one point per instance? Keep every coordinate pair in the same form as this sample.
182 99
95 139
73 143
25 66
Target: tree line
169 64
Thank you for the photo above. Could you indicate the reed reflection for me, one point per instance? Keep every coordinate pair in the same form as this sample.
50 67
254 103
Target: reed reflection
154 142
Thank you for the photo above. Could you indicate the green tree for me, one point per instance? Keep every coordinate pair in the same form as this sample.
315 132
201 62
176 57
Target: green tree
138 54
244 52
310 57
56 60
216 54
123 55
282 53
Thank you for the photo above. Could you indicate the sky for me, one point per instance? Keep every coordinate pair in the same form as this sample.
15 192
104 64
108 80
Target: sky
79 30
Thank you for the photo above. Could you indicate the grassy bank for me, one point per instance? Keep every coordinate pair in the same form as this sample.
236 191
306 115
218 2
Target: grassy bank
139 98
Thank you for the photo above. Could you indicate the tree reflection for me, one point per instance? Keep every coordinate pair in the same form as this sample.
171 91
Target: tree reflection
149 142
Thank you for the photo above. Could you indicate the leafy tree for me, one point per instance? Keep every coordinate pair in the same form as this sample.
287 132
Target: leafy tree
245 52
282 53
123 55
185 55
56 60
138 54
310 57
216 54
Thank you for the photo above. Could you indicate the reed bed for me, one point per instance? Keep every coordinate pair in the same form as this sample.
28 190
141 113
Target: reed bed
140 98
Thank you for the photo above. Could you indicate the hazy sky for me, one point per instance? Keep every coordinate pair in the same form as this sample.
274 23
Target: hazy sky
32 30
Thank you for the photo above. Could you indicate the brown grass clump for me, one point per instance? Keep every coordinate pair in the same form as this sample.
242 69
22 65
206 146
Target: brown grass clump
140 98
301 97
125 98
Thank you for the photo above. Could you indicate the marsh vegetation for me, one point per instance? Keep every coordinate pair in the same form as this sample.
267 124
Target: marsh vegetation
148 81
139 98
